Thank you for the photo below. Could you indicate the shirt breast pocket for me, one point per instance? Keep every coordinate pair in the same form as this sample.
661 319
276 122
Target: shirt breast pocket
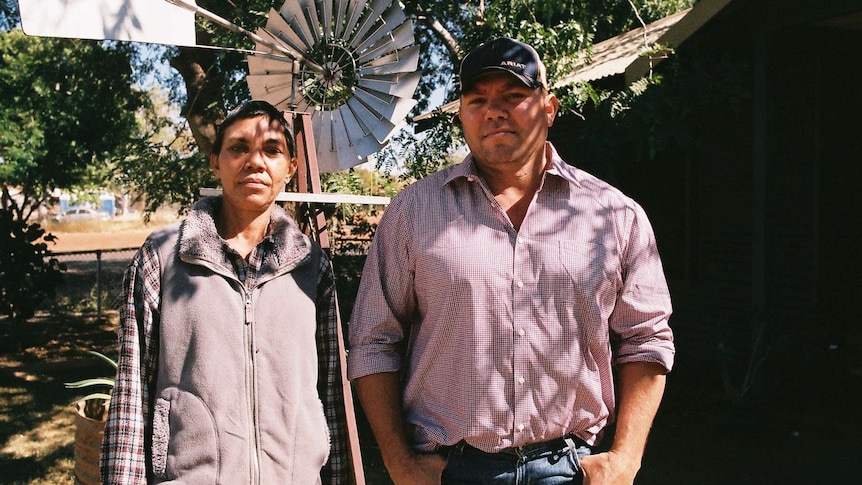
591 272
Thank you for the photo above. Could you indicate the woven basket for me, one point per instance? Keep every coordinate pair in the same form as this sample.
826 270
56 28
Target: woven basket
88 445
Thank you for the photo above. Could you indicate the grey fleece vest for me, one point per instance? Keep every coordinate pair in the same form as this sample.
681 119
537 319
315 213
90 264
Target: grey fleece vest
236 397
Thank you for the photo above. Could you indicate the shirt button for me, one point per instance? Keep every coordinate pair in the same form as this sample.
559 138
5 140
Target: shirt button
471 178
520 284
520 380
521 332
521 427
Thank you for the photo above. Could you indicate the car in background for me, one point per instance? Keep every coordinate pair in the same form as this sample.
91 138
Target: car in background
81 214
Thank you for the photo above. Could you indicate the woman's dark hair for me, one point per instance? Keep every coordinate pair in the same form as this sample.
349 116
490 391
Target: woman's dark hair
253 109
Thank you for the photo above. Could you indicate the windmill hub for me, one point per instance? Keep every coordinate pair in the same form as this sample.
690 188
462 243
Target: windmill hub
335 86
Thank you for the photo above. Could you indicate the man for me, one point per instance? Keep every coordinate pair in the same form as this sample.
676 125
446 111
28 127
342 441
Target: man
229 369
502 301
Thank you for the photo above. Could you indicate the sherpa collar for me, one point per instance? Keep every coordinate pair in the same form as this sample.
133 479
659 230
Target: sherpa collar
199 239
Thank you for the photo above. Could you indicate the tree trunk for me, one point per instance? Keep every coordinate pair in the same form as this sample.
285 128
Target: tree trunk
203 109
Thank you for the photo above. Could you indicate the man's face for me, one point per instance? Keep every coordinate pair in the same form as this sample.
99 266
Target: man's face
506 123
254 164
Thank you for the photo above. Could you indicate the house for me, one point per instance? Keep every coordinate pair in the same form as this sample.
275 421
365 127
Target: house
758 215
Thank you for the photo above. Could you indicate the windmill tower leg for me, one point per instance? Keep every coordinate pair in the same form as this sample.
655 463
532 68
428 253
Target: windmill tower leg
309 181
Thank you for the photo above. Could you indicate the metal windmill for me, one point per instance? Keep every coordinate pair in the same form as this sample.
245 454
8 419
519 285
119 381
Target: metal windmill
356 72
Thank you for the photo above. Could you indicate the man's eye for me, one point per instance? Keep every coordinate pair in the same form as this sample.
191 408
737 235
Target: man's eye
237 149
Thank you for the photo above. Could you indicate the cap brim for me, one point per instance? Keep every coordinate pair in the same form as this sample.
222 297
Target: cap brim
530 83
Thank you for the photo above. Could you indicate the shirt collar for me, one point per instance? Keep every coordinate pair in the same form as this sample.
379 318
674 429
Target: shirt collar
559 168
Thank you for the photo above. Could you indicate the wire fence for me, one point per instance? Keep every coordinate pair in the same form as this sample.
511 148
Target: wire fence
93 280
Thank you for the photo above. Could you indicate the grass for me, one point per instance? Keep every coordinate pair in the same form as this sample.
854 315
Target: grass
36 410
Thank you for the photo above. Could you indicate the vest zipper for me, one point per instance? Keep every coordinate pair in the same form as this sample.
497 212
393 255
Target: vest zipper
251 386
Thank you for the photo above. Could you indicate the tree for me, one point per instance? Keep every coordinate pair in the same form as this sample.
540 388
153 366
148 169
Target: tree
28 275
66 108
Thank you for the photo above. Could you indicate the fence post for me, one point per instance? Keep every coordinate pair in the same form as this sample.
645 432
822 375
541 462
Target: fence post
99 285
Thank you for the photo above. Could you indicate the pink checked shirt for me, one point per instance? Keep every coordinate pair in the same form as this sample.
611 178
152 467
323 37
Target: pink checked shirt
507 337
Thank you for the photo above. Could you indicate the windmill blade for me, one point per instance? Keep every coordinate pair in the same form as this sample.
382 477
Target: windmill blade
392 18
397 39
278 28
370 120
330 149
405 60
402 85
384 105
357 72
278 90
370 17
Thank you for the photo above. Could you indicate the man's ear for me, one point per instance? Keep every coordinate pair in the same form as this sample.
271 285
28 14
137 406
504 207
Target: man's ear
214 162
552 106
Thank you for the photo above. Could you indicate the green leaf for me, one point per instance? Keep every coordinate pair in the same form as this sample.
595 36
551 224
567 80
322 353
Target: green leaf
96 381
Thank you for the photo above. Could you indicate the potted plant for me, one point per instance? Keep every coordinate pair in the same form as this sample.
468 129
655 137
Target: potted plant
90 414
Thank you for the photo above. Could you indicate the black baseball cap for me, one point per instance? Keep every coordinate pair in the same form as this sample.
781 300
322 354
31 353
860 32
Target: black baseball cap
503 54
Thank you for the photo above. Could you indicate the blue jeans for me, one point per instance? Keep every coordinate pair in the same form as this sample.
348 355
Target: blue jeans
552 463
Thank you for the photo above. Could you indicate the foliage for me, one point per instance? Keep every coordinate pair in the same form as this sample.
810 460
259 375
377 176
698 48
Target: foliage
167 169
96 403
638 124
52 133
9 17
28 275
357 181
424 154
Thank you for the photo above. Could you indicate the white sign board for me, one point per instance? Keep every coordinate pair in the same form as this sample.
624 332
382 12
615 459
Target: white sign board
153 21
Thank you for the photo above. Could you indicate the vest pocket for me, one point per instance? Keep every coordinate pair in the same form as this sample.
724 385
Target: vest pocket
184 444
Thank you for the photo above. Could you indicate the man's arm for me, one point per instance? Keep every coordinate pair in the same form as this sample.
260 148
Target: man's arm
380 395
640 389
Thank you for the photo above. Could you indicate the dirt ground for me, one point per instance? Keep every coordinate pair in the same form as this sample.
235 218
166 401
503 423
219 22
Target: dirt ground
91 241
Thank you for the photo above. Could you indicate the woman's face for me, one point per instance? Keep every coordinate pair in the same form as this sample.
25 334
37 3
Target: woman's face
254 164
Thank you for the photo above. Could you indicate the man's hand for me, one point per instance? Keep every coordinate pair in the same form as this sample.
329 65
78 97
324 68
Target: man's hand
609 468
418 469
380 395
641 385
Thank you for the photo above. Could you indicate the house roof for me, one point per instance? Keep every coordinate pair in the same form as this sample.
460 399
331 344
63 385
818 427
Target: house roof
612 56
623 54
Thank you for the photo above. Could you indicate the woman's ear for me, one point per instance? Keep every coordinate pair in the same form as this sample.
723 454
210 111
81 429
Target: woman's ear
294 163
214 162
